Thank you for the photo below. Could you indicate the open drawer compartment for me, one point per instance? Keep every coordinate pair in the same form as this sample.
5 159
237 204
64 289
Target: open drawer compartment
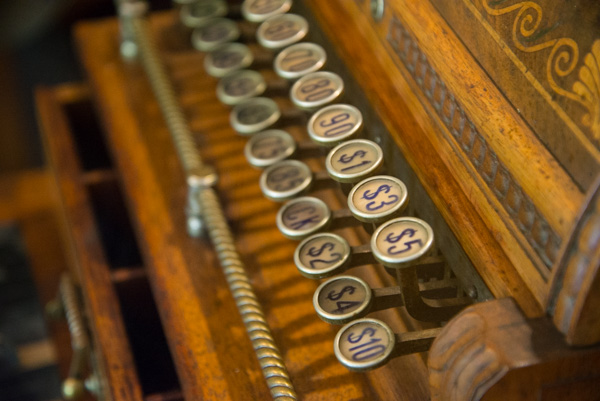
130 351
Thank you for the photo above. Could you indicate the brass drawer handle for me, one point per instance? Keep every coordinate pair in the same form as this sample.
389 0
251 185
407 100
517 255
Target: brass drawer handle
67 304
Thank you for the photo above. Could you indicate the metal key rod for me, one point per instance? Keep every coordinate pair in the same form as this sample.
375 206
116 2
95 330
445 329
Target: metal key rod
428 310
200 178
414 341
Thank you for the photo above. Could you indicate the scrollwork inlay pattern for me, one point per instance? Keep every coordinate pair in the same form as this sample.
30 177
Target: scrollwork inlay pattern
562 60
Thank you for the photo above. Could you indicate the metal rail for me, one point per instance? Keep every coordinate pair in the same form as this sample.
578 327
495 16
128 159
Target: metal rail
204 210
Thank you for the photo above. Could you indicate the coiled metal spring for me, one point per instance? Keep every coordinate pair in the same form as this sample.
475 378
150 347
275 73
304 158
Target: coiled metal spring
200 178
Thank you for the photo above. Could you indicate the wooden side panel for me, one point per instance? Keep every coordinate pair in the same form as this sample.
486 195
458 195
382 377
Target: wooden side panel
105 320
544 56
449 134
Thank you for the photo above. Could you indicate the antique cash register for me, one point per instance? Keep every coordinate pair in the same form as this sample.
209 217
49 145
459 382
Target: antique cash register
332 200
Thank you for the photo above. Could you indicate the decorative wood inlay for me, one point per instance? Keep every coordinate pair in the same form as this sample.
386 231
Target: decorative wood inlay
473 145
561 62
576 285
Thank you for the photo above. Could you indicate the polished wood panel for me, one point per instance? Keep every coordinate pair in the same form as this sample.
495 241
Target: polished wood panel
544 56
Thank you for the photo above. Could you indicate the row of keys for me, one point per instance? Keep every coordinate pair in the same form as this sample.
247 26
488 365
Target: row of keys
309 92
290 63
375 201
330 126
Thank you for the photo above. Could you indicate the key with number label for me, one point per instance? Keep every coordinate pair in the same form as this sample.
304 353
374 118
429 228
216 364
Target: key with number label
195 15
271 146
308 215
281 30
404 244
334 124
401 242
326 254
290 178
227 58
214 33
354 160
377 199
245 84
344 298
285 180
240 85
366 344
254 115
298 60
261 10
316 89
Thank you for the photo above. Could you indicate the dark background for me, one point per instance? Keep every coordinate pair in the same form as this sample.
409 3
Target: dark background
35 49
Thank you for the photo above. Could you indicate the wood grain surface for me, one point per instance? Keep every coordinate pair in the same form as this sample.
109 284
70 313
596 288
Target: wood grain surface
518 44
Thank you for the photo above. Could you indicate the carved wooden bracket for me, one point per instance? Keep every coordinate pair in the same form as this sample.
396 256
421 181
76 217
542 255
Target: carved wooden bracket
490 351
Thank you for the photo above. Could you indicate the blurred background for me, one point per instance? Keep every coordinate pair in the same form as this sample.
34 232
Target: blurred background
35 49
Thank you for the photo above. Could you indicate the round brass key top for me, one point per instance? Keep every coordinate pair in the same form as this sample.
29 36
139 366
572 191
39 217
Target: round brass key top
197 14
322 255
227 58
298 60
239 86
341 299
214 33
399 242
281 31
354 160
260 10
316 89
254 115
377 199
302 217
285 180
333 124
364 344
269 147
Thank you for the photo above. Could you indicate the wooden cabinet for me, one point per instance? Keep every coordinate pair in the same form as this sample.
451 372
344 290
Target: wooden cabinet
462 114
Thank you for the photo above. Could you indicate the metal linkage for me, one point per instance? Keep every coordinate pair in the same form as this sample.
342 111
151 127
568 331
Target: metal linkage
205 213
198 175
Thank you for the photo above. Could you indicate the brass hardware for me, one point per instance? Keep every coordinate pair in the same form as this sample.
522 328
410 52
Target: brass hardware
67 304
